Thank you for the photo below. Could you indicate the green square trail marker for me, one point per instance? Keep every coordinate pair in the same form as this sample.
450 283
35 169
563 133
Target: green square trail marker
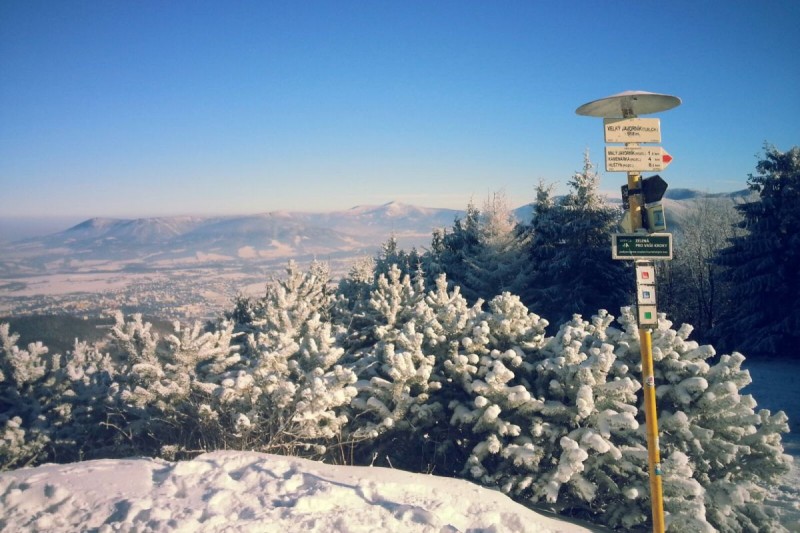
648 316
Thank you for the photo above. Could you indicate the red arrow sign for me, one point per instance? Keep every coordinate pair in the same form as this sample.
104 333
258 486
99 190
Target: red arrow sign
666 158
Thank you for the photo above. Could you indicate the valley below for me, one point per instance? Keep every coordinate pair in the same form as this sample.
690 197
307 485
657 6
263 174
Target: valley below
192 268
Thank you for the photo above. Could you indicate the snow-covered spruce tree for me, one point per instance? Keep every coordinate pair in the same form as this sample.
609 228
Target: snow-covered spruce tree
354 288
351 307
495 266
762 265
390 255
718 453
570 267
51 405
292 389
538 238
457 248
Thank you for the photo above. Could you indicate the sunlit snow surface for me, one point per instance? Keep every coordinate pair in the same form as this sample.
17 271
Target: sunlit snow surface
245 491
775 387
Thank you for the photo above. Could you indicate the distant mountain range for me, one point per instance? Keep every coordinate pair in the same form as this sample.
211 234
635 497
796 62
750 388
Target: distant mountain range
174 242
169 242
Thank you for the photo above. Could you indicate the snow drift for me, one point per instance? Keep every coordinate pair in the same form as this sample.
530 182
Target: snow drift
241 491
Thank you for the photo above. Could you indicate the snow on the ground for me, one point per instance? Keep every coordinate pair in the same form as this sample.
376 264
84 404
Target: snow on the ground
786 498
247 491
774 388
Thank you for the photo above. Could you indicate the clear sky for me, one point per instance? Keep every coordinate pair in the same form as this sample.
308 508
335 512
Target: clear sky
143 108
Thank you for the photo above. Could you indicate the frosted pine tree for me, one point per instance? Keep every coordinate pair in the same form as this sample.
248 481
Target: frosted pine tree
395 374
493 365
166 397
719 454
557 417
588 424
296 386
734 450
560 422
51 404
442 370
27 413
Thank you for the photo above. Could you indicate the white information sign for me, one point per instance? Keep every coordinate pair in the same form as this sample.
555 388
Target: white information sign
632 130
636 159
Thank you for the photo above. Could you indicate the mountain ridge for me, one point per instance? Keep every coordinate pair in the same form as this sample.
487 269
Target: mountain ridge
167 242
164 242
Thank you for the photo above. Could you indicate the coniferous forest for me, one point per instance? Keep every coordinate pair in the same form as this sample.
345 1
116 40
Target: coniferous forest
506 353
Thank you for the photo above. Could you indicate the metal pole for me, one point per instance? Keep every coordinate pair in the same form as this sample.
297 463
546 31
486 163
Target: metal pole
651 419
636 201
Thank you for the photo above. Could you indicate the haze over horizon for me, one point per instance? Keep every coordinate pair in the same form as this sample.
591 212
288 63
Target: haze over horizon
140 109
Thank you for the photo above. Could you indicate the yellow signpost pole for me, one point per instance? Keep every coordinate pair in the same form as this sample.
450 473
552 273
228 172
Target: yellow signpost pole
626 106
635 202
651 419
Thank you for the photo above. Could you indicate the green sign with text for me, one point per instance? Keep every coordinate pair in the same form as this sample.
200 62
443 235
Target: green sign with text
641 246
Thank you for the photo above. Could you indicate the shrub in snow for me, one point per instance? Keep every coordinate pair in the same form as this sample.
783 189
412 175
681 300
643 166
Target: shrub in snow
396 367
433 358
51 405
719 455
165 396
291 382
708 426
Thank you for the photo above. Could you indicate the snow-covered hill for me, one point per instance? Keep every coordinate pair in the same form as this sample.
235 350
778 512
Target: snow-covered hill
170 241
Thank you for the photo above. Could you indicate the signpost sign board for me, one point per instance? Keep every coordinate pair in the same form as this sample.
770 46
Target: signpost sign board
641 246
632 130
636 159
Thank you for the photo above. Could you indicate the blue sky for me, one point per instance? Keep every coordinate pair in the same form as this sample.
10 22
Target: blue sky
143 108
